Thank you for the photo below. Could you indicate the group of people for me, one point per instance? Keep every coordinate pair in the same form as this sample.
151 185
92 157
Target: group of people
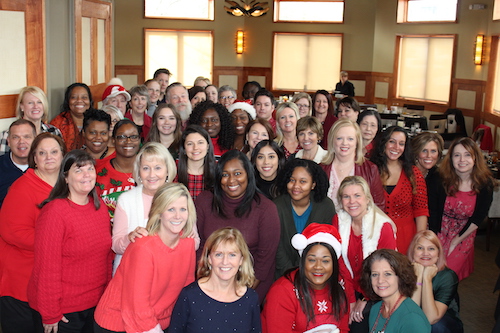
188 211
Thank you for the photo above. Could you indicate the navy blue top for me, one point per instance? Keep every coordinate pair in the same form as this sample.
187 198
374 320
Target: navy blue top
196 312
10 172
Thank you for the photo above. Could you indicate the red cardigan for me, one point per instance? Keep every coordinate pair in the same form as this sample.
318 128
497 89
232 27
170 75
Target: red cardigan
71 135
72 258
17 233
369 172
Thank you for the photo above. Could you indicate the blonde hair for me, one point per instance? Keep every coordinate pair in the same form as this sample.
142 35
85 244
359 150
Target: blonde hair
164 197
245 275
158 151
431 237
279 109
301 95
341 123
38 93
360 181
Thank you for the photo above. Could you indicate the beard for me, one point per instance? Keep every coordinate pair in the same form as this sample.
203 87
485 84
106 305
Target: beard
184 110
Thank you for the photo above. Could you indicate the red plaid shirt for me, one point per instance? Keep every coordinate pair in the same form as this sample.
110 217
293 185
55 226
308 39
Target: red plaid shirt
196 184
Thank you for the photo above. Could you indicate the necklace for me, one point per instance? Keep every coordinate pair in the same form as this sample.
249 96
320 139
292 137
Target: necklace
388 318
117 166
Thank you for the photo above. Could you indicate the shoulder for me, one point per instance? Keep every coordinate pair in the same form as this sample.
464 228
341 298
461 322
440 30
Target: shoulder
366 168
411 312
130 195
282 200
448 275
205 196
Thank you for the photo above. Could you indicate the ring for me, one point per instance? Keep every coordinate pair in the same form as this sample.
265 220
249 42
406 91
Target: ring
357 312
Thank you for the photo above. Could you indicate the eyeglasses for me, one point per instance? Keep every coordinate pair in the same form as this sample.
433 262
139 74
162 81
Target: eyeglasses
227 97
303 106
123 138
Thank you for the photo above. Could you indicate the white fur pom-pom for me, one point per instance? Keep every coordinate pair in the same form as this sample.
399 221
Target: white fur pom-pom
299 242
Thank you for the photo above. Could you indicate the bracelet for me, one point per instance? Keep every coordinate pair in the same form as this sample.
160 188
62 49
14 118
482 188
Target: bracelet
419 283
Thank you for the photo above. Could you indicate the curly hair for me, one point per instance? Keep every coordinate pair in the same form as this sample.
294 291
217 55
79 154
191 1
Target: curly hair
304 289
480 176
226 134
251 192
400 264
95 115
379 157
317 174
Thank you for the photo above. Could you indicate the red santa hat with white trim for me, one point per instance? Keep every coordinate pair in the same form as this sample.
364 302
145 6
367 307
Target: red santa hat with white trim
318 233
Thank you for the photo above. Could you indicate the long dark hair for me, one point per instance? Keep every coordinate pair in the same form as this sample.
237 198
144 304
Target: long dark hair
281 160
67 95
304 290
226 134
154 133
251 193
379 157
208 163
317 174
61 189
328 98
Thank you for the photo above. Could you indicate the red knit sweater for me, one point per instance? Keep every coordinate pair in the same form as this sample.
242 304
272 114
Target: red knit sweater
72 259
146 285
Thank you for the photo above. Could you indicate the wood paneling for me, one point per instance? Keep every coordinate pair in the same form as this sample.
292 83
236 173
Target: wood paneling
131 70
8 106
243 73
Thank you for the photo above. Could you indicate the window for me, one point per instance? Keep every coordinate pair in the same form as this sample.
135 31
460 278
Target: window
496 10
187 54
427 11
309 11
177 9
425 67
496 85
306 61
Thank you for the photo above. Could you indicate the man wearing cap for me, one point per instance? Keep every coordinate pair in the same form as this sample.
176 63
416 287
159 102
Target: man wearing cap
13 164
116 95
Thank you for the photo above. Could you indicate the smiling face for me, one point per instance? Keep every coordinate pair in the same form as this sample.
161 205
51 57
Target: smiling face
154 91
462 159
425 252
32 107
385 282
287 120
264 107
429 156
166 122
256 134
174 218
234 179
163 79
96 136
308 139
395 147
226 98
345 142
355 202
318 266
210 121
304 107
300 185
347 112
179 97
153 172
120 101
139 103
267 163
48 156
196 147
212 94
127 147
225 260
369 128
81 180
20 139
79 101
321 104
240 121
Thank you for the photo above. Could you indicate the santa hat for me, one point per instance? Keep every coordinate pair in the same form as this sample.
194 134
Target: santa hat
115 90
318 233
243 106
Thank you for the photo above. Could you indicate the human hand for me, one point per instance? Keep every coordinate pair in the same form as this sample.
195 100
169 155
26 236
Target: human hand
138 232
430 272
453 245
357 311
418 268
49 328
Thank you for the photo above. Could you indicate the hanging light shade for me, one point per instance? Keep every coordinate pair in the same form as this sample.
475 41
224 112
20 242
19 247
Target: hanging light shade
247 8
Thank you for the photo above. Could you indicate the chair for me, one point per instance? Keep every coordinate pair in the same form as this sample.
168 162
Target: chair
437 122
389 119
414 109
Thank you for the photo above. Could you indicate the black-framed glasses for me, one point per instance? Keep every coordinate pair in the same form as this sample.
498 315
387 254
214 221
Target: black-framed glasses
123 138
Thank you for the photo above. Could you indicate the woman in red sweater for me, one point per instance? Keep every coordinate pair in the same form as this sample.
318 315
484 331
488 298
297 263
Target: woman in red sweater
72 249
154 269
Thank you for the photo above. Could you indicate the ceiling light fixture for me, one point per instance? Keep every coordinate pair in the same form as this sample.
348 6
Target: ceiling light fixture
247 8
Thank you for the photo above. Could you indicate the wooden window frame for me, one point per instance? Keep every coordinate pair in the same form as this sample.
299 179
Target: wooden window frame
402 14
210 18
276 12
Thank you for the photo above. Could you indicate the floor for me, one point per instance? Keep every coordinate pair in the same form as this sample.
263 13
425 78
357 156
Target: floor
477 301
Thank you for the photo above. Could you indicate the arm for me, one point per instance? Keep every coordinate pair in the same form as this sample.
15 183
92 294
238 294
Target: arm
436 199
433 310
280 310
283 261
420 201
483 202
268 229
370 172
421 222
419 272
387 238
459 238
